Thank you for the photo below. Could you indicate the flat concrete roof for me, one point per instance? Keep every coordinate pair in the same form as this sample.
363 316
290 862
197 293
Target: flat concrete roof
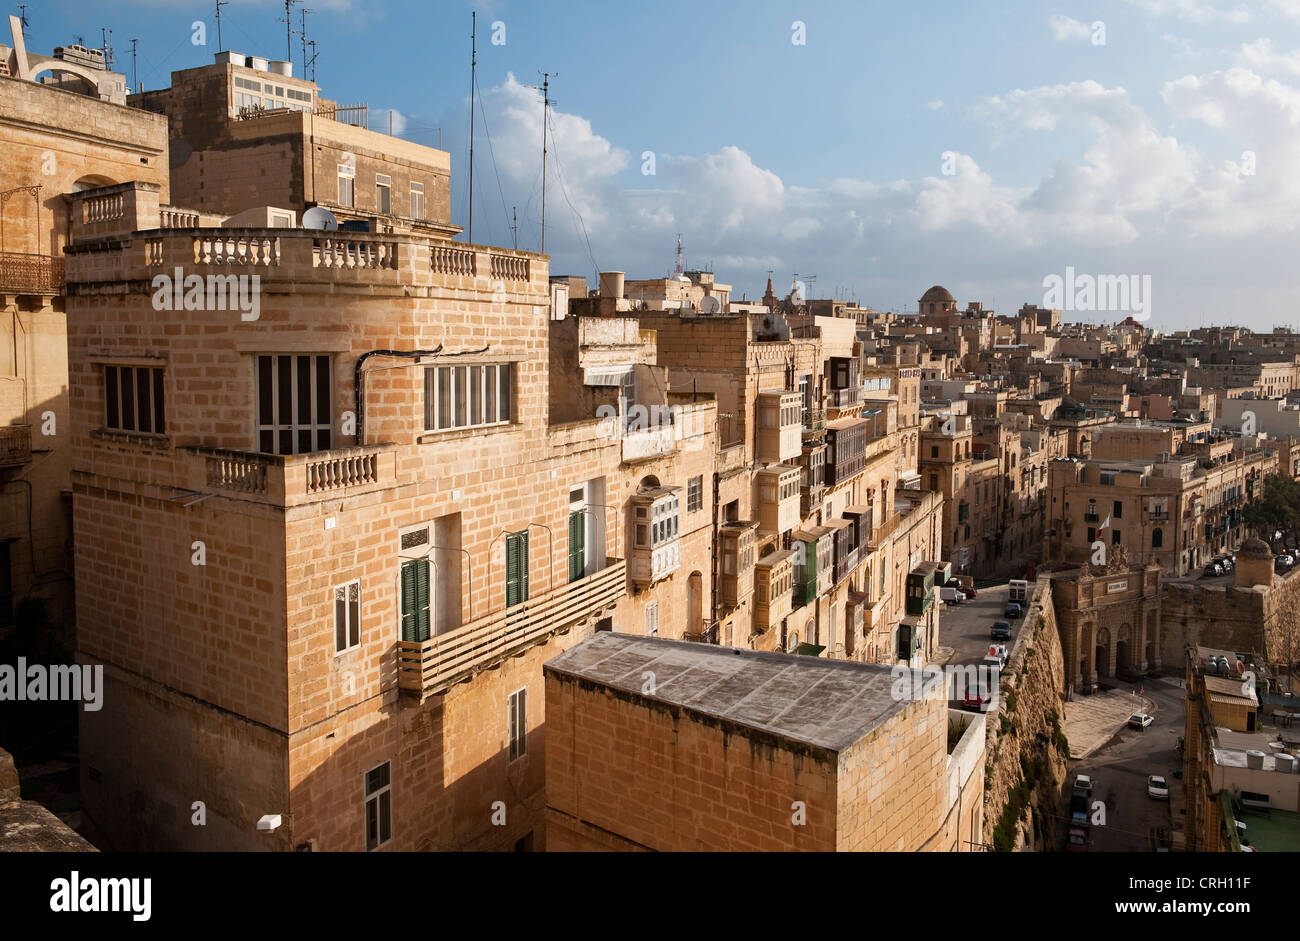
825 703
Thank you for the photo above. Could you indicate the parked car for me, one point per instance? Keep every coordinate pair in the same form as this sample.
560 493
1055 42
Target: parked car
1001 631
999 651
1018 590
1078 802
1139 720
1078 840
951 595
965 584
1083 781
1284 563
1013 610
976 699
1212 569
1228 562
1079 818
1157 788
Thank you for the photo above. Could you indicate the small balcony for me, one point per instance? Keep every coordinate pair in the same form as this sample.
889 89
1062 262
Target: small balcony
814 420
846 398
293 479
30 274
15 445
429 667
707 634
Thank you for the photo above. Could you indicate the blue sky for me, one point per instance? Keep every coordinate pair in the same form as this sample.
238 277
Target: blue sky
1171 150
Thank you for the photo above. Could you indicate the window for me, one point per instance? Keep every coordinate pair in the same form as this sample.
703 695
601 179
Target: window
1092 534
383 193
415 600
517 722
934 450
468 396
346 174
1119 509
293 404
1115 537
133 399
417 200
694 494
379 806
347 616
652 619
934 482
1157 538
516 568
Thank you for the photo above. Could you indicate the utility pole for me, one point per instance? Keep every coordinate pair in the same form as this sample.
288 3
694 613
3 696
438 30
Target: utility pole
473 67
220 46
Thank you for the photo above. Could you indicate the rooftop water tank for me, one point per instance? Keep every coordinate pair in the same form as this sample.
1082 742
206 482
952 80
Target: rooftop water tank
1255 759
1286 763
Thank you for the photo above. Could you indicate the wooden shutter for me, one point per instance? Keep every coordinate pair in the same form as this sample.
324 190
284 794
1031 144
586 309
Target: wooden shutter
415 600
577 555
516 568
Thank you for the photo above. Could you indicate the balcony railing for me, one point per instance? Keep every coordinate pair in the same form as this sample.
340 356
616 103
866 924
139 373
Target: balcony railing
30 274
290 479
707 634
15 445
428 667
814 419
846 398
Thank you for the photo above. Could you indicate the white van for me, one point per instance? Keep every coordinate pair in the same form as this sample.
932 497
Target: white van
951 595
1018 590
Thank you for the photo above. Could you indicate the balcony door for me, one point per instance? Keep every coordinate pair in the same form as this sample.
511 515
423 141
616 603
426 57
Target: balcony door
415 599
293 403
516 568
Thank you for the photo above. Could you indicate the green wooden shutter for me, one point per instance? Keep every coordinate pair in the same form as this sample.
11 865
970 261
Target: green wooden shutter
516 568
415 600
577 555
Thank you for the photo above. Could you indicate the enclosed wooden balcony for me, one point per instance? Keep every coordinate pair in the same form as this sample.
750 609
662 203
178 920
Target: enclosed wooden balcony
429 667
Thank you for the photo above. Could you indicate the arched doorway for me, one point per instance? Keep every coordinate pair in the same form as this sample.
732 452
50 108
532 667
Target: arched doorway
1103 652
1122 649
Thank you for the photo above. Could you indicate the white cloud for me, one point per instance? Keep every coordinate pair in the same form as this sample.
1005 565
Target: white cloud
1065 28
936 105
1200 12
1259 55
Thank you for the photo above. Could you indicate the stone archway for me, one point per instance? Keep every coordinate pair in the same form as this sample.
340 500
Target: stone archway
1102 647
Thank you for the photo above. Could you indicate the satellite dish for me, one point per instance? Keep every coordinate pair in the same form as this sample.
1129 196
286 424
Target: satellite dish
318 217
710 305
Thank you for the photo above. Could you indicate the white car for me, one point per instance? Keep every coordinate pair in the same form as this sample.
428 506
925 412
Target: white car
999 651
1083 781
1157 788
1139 720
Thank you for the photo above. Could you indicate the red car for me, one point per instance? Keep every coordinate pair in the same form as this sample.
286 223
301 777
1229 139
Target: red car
976 700
1078 841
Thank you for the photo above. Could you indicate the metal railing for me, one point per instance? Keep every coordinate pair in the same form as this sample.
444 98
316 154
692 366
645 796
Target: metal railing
15 445
33 274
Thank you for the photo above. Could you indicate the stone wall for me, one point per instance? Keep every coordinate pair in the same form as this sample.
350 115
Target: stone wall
1026 751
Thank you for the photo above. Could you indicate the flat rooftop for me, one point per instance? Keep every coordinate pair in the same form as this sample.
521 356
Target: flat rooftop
825 703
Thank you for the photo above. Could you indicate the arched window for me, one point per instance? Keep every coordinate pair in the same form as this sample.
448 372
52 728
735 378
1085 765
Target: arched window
1157 538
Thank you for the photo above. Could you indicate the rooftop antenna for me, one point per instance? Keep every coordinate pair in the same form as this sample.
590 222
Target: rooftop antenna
679 254
22 7
220 45
288 27
107 48
514 224
312 62
473 68
546 112
135 78
302 34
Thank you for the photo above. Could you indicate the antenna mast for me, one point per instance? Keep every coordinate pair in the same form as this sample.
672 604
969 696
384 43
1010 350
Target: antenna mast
288 28
312 61
135 78
220 45
302 34
514 224
473 68
546 111
679 254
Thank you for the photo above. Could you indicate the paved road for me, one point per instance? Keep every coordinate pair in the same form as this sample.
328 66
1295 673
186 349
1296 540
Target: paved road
1119 773
965 628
